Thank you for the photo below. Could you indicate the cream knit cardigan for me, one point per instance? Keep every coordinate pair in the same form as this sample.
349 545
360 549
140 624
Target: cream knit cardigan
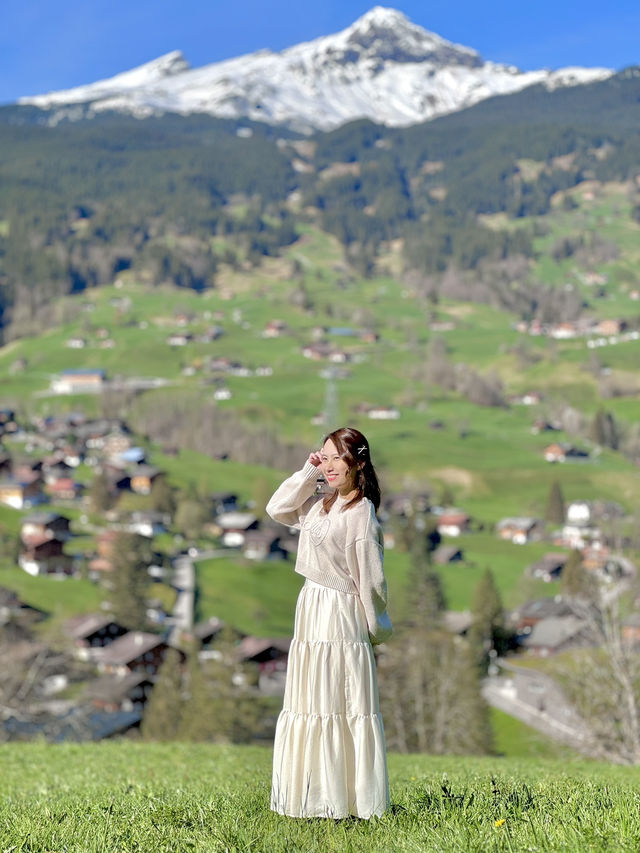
339 549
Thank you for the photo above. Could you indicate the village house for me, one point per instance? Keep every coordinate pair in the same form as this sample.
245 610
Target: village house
54 467
8 423
143 478
324 350
22 493
542 425
222 394
92 631
112 693
179 339
407 504
234 526
45 557
117 478
65 489
130 456
563 453
609 327
147 523
557 634
44 525
519 530
527 615
579 536
219 364
563 331
94 434
452 522
530 398
549 567
263 544
207 631
578 513
79 381
447 554
383 413
14 610
135 651
5 464
115 443
223 502
270 656
275 329
75 343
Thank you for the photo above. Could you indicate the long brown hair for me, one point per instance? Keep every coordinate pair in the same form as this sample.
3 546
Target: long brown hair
353 447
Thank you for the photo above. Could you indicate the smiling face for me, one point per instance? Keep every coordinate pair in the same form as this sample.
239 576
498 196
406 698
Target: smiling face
336 471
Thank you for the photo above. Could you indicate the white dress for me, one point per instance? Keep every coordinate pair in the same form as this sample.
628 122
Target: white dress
329 750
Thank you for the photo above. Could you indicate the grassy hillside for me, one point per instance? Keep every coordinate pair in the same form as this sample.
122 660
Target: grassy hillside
486 457
136 797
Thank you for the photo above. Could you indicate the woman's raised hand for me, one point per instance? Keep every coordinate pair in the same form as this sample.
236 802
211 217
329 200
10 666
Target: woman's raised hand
315 457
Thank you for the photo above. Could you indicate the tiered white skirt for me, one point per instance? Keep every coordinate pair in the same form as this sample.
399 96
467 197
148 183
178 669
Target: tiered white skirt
329 752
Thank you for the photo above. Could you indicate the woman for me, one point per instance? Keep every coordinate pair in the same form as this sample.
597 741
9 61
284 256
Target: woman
329 752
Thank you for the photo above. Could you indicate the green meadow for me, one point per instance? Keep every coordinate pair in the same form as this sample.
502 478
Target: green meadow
128 796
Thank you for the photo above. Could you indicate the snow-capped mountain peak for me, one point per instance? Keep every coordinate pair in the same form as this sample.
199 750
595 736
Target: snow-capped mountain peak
148 74
389 34
382 67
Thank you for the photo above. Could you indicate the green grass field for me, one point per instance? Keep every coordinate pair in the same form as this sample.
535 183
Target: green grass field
123 796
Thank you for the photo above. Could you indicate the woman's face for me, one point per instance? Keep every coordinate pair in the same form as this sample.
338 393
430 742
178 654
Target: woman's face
336 471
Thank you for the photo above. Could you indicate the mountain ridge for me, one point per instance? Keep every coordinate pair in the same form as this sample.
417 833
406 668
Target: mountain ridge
383 67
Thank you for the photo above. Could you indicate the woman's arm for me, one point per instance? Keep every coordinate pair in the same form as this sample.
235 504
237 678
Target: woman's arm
293 499
365 557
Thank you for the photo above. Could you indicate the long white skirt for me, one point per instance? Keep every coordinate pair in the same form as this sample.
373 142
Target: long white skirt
329 753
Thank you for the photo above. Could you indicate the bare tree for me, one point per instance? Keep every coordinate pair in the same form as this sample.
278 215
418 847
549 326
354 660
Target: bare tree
603 682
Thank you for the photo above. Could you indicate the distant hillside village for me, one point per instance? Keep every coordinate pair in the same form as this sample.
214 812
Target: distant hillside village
70 480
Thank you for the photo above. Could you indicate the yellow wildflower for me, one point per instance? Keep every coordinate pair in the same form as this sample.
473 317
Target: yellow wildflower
501 821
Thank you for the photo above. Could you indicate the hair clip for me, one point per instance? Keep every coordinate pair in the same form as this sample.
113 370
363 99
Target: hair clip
362 449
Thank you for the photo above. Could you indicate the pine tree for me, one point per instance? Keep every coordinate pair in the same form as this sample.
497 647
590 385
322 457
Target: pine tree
425 592
488 629
260 494
162 498
555 511
429 683
100 497
163 711
190 516
575 579
604 430
129 579
220 704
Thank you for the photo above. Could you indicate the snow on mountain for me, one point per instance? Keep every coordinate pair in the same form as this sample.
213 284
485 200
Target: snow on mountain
382 67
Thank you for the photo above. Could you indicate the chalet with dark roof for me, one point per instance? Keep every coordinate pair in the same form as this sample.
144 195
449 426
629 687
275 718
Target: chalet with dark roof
136 651
44 525
45 557
92 631
549 567
557 634
121 692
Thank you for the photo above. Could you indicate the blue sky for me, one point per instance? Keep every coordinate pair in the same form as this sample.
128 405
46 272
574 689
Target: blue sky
55 44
